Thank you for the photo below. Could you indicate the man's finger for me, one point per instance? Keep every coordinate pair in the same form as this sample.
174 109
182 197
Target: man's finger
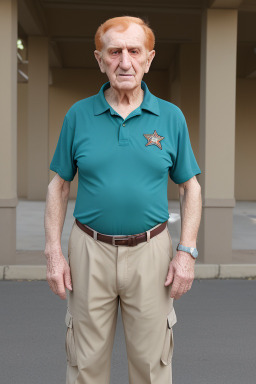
187 288
59 287
169 276
175 287
181 291
61 291
67 279
51 285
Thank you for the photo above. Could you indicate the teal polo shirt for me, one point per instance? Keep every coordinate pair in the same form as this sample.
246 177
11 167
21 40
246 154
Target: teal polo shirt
123 164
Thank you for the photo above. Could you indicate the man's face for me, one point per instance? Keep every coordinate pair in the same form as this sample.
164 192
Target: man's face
124 57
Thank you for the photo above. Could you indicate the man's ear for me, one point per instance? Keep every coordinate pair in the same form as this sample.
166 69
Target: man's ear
98 57
150 58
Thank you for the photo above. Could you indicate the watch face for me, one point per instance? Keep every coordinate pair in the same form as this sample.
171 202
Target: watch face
193 252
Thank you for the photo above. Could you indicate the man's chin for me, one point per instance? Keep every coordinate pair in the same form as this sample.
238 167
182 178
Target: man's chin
127 83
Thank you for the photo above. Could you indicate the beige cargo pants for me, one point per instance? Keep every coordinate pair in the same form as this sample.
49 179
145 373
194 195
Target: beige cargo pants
104 275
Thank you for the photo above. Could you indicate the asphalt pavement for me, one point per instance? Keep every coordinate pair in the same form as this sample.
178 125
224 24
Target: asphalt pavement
215 338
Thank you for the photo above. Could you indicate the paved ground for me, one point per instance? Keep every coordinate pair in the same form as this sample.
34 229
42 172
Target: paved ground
30 230
214 336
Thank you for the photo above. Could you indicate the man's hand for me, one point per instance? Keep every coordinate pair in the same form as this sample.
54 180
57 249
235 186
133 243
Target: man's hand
58 273
181 274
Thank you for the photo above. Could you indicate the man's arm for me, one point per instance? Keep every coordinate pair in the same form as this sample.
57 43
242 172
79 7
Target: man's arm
58 271
181 269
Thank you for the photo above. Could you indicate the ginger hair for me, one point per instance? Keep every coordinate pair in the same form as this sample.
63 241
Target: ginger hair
122 23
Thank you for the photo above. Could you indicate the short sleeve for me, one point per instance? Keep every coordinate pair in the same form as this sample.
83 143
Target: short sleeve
184 163
63 161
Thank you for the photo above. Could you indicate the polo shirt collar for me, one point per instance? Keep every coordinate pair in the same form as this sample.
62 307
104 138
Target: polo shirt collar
149 103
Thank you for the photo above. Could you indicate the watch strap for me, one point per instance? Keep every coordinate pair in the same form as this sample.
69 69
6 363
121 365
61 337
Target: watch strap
192 251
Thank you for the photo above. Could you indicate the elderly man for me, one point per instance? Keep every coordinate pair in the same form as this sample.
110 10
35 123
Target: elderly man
124 141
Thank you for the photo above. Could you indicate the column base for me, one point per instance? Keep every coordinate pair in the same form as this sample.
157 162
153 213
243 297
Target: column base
7 235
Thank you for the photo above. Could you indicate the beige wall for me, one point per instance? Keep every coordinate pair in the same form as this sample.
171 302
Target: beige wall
185 93
190 90
68 86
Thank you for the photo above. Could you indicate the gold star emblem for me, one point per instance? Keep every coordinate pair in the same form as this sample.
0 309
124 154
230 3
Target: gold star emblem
154 139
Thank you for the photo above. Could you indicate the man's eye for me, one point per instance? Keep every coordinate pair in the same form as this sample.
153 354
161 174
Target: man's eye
114 52
134 51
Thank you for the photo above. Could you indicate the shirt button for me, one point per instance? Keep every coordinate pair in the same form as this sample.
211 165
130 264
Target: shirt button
123 124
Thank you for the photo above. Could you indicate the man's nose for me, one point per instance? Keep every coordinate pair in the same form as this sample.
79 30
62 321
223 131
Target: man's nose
125 60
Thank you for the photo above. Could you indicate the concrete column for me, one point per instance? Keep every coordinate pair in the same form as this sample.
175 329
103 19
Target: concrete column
38 71
8 130
217 133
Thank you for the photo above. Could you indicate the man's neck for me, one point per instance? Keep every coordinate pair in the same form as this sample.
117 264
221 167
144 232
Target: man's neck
124 99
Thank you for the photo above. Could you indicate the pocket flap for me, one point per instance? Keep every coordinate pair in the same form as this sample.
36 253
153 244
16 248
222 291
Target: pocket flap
171 318
70 341
167 352
69 319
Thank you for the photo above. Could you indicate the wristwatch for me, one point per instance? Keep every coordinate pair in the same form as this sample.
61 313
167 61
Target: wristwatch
192 251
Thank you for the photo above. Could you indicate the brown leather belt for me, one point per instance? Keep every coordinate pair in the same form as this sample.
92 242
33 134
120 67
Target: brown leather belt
130 240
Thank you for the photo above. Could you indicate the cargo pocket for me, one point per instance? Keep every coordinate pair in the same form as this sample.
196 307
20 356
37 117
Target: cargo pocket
70 341
167 352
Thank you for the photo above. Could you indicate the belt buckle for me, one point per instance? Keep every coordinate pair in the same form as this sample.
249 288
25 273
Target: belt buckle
118 238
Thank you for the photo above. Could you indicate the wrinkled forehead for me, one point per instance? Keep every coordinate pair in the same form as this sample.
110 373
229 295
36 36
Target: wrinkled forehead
133 36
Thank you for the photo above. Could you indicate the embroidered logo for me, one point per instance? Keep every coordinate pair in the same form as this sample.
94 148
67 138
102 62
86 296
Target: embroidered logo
154 139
